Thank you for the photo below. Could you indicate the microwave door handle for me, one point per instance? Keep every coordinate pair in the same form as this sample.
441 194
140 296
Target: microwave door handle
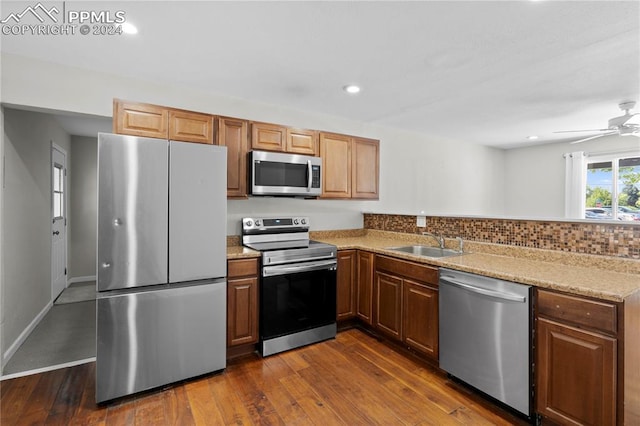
309 175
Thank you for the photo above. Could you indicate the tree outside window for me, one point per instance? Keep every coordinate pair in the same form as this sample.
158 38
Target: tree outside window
613 188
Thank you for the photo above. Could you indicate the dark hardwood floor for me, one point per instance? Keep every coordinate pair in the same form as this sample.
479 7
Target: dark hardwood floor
352 380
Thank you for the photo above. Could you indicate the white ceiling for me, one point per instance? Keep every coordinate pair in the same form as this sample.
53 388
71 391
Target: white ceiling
487 72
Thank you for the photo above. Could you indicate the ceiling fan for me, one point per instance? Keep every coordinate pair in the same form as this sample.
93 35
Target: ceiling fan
625 125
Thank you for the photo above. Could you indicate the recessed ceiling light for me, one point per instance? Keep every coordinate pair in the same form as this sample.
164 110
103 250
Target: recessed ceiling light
532 137
129 28
351 88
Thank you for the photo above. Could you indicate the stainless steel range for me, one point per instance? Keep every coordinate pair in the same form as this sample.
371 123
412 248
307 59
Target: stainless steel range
298 283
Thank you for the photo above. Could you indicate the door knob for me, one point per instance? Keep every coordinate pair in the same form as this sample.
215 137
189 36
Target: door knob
56 232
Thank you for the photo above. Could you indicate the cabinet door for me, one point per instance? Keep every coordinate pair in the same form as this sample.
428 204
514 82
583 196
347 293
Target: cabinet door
364 287
346 284
242 311
190 127
575 375
335 151
300 141
389 304
136 119
420 318
268 137
365 159
233 134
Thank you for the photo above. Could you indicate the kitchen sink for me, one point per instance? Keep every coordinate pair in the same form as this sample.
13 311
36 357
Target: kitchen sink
426 251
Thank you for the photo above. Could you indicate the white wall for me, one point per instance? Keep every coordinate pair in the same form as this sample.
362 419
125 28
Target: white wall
416 172
83 206
26 226
534 176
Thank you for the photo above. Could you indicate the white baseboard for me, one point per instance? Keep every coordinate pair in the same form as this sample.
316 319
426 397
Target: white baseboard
25 333
81 279
45 369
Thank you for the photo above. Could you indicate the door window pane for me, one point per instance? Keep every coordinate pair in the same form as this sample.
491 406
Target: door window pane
58 191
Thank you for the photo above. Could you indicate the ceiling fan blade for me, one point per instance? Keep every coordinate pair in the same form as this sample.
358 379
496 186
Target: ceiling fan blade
592 137
580 131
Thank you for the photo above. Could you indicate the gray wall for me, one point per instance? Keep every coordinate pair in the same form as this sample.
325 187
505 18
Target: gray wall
83 207
26 221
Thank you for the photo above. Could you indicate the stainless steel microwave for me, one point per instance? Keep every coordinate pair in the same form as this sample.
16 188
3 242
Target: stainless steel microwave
275 173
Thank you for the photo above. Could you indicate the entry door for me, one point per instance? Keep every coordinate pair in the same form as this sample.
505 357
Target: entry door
59 221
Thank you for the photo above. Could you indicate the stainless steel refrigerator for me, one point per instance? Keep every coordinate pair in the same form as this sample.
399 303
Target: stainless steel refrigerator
161 306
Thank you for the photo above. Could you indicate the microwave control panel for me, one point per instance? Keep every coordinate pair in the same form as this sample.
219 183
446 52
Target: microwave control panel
315 176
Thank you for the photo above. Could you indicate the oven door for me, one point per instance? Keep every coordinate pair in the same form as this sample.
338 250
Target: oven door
297 297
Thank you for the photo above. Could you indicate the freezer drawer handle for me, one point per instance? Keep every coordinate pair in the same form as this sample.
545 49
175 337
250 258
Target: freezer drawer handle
495 294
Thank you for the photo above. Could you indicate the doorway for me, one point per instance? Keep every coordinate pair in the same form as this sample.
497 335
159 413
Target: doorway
59 220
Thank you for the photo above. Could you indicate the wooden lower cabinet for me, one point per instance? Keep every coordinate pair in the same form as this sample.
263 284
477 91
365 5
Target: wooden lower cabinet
576 360
406 303
420 317
388 302
242 302
364 287
346 283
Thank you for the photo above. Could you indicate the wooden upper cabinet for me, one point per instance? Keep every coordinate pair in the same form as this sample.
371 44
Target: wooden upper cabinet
335 151
233 133
137 119
365 161
188 126
268 137
301 141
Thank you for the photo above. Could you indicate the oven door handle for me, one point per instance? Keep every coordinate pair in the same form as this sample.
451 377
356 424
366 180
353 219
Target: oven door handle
270 271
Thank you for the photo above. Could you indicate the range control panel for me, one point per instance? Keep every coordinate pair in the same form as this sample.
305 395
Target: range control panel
272 223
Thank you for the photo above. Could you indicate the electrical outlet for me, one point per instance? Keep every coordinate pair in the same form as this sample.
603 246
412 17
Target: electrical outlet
421 221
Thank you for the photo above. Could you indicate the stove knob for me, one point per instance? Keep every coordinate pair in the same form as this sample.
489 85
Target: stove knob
248 223
295 221
257 222
304 221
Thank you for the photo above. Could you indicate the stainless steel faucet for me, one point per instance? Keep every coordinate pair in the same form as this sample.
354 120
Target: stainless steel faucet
438 238
460 244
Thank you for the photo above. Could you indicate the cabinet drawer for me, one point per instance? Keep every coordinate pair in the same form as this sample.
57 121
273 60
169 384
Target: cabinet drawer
422 273
589 313
242 268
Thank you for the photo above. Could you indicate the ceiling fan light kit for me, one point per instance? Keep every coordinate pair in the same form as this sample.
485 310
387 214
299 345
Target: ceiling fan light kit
624 125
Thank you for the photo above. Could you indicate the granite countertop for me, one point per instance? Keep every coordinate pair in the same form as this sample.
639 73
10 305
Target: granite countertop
240 252
592 276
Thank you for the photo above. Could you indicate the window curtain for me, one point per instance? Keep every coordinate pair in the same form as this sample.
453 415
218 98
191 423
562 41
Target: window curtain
575 184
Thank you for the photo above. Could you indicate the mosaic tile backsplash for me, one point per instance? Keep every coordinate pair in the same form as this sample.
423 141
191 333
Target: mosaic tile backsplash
575 237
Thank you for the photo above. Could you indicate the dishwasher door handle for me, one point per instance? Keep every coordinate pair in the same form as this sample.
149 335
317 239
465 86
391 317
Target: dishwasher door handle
483 291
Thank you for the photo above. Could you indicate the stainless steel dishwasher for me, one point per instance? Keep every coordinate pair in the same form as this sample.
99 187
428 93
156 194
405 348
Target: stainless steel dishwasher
485 335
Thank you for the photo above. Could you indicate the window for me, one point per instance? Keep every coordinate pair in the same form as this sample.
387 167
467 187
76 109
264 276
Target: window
58 192
613 188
